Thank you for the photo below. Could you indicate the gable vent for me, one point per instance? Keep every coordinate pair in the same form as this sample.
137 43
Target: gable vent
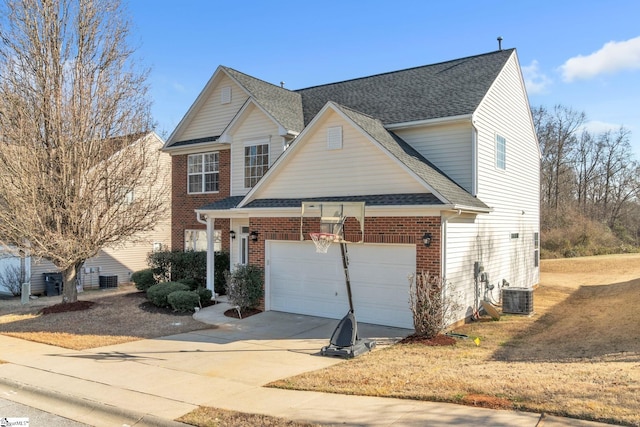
226 95
334 138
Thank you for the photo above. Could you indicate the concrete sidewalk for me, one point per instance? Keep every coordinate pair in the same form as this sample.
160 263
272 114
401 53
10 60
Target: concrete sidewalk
153 382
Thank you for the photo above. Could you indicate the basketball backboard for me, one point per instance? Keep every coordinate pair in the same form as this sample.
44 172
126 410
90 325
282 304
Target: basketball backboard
344 219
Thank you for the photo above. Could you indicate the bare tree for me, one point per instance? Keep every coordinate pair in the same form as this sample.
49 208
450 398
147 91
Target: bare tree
76 174
557 134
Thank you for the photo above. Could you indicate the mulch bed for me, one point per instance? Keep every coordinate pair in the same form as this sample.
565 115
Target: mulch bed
438 340
68 306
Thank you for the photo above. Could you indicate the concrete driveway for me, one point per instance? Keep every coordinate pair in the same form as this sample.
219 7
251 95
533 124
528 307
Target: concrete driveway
255 350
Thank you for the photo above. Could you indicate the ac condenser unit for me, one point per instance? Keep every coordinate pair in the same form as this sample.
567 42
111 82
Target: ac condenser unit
517 300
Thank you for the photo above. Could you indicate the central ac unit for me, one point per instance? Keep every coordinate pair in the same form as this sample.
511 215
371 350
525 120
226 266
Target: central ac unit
517 300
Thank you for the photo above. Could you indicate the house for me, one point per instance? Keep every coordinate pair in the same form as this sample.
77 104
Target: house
446 151
114 265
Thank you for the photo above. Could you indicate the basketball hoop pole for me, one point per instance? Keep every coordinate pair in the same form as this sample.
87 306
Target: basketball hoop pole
345 266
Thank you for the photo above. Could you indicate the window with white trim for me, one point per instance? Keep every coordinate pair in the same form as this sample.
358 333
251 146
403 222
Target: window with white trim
501 152
256 163
196 240
203 173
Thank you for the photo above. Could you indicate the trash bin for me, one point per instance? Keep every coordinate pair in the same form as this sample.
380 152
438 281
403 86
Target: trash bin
110 281
52 283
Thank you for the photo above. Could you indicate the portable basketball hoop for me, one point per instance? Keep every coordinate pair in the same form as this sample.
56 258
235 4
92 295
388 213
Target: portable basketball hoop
344 341
323 241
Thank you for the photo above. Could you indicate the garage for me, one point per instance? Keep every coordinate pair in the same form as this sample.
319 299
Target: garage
299 280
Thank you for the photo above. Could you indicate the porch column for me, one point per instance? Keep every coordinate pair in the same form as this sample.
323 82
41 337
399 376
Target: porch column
211 263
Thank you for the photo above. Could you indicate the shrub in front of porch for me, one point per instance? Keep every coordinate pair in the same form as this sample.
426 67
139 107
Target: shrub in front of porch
245 286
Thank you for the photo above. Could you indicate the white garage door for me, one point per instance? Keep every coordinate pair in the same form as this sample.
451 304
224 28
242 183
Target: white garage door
299 280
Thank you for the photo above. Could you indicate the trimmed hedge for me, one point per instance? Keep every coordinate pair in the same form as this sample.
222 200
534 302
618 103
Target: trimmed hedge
143 279
245 286
183 301
179 265
158 293
204 294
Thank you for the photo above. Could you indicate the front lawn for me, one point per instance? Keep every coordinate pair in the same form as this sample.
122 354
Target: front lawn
578 355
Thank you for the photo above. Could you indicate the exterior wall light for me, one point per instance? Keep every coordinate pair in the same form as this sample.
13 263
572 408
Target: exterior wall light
426 239
254 236
232 234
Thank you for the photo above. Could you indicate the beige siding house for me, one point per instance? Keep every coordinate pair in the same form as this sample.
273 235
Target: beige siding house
118 263
444 156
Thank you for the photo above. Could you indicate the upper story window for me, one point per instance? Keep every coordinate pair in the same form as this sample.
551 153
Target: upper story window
501 152
256 163
203 173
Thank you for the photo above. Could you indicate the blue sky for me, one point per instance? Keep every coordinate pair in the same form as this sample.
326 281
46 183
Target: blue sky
582 54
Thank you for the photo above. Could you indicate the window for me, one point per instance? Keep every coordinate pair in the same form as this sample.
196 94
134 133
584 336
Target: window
501 152
196 240
202 173
256 163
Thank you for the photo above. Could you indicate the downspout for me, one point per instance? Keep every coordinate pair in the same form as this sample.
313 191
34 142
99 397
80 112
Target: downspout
211 261
474 159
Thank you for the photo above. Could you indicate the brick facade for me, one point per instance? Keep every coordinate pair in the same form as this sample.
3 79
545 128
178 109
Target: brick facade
404 230
183 204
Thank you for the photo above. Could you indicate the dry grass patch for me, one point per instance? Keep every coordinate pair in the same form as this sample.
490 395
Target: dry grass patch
578 355
114 316
211 417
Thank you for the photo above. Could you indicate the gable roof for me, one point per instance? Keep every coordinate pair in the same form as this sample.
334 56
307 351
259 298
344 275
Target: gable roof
284 105
443 186
444 189
445 89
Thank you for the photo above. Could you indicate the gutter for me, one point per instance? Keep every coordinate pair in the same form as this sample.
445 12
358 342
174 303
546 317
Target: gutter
430 122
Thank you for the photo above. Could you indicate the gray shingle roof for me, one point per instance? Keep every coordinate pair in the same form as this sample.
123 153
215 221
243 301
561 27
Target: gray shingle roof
284 105
446 89
412 199
434 177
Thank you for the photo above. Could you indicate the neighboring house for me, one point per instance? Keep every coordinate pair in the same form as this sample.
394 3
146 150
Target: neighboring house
125 259
447 149
12 269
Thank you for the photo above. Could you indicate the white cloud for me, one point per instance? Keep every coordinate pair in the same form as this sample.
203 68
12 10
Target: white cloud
178 87
613 57
534 80
597 127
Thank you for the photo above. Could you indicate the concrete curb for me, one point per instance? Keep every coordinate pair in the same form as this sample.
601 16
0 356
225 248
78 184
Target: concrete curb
81 409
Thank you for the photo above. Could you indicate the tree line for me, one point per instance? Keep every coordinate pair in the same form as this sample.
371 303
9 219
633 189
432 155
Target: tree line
590 185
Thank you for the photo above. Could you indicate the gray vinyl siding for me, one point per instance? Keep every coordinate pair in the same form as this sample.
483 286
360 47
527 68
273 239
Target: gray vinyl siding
213 116
448 146
512 193
359 168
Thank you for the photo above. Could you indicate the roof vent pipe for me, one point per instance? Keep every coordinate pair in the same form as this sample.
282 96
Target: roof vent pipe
282 84
499 42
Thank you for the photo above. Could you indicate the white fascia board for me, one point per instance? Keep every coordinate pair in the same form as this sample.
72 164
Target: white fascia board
226 133
196 148
202 96
429 122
